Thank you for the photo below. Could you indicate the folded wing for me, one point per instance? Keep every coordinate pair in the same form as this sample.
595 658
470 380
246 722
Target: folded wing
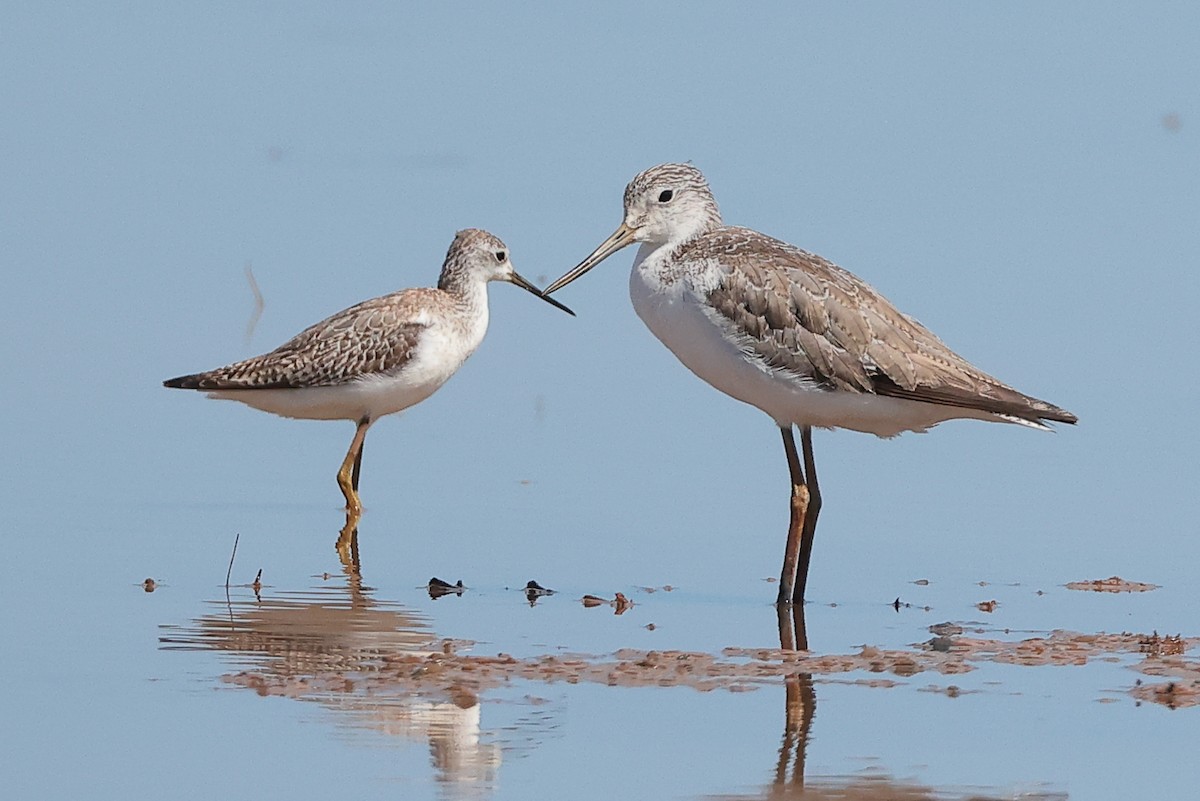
804 316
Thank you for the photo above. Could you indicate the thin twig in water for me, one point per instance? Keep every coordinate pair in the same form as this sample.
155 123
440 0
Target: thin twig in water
258 303
229 572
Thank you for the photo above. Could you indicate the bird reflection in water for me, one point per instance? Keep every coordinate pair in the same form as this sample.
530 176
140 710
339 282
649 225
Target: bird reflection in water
788 781
332 645
800 702
347 542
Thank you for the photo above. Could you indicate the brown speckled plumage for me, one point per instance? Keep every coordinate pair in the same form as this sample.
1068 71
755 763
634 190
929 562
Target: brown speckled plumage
376 336
807 318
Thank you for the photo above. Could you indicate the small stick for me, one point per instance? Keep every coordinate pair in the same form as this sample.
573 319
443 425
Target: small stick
230 570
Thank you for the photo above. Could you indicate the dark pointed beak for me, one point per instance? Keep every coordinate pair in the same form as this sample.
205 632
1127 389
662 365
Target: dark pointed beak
621 237
533 290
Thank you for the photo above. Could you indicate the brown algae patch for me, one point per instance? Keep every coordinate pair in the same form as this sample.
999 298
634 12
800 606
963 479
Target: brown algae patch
1062 647
438 672
300 647
1182 688
1171 694
445 671
1111 584
1157 645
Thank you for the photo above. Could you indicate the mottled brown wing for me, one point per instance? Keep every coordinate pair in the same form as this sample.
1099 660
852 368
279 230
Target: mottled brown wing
376 336
806 317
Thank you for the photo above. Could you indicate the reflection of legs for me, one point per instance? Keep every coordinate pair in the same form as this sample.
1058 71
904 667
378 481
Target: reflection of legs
800 698
810 514
347 545
348 474
787 632
800 701
793 635
796 525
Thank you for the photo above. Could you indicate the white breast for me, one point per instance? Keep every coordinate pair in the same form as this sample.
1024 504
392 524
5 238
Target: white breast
671 302
443 346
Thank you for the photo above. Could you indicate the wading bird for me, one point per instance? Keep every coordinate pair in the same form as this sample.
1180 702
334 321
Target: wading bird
376 358
792 334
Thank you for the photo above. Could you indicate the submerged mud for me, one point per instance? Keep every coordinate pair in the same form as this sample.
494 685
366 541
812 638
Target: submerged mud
444 671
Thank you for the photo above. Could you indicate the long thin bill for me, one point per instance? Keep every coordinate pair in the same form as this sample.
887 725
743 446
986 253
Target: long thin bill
621 237
528 287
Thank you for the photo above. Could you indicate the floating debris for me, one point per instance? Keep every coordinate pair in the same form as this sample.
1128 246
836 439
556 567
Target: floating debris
621 604
533 591
438 588
1111 584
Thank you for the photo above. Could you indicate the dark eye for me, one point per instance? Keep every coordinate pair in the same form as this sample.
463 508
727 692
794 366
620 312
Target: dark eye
501 256
665 196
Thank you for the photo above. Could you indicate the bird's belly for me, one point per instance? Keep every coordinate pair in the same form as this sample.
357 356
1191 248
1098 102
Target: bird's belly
369 396
681 324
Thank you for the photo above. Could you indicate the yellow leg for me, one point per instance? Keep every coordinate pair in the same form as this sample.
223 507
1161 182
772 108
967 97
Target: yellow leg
799 514
812 508
347 475
357 466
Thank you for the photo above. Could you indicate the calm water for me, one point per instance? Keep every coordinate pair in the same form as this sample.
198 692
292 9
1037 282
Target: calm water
1022 179
196 694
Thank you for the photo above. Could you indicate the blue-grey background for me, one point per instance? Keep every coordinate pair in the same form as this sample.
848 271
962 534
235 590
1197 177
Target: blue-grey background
1023 178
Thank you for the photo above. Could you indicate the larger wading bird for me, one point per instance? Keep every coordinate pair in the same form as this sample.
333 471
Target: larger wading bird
792 334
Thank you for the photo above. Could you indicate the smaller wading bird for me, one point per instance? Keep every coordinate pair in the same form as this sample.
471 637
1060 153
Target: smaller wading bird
791 333
376 358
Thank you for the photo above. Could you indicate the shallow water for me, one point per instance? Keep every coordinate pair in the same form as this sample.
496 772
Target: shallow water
331 678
